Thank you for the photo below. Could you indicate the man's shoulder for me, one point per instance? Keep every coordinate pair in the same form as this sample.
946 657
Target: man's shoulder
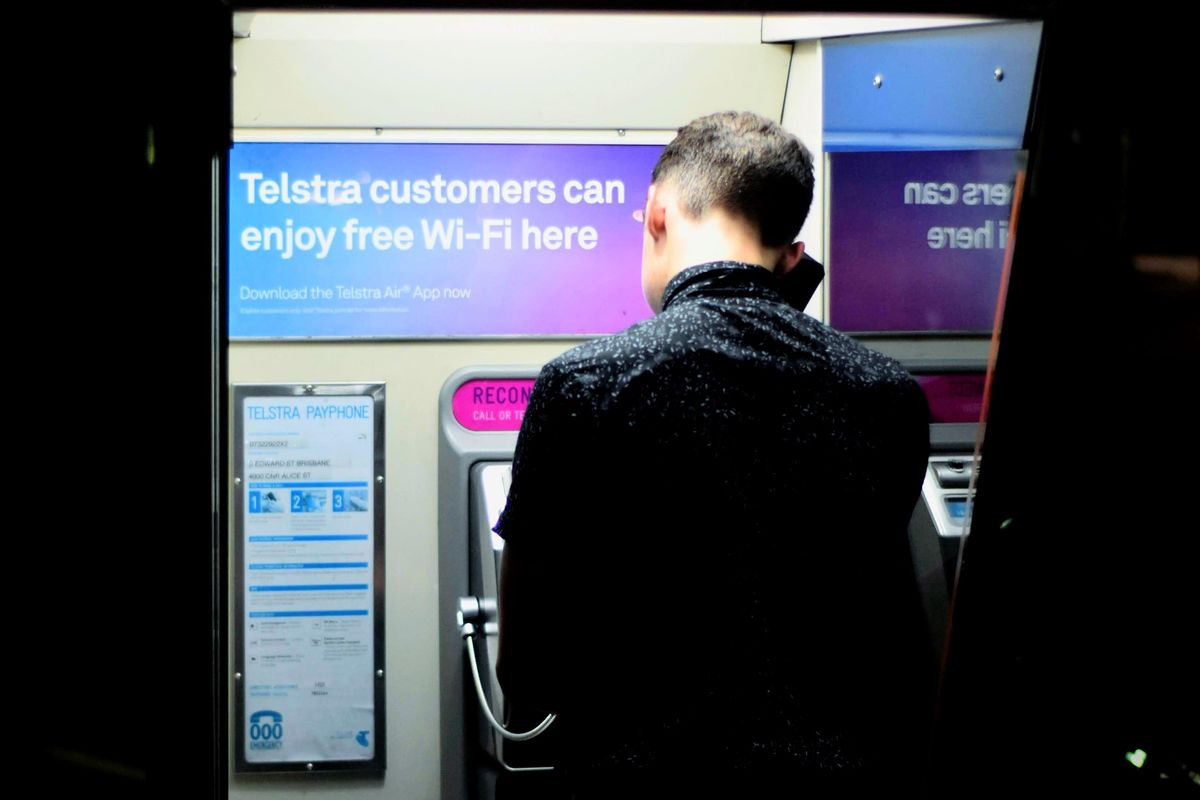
607 357
882 384
813 348
862 364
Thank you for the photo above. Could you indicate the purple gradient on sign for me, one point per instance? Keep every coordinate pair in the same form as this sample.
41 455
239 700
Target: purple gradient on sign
883 273
953 397
488 404
503 289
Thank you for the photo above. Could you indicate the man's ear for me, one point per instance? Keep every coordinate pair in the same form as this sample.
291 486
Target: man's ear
656 213
789 257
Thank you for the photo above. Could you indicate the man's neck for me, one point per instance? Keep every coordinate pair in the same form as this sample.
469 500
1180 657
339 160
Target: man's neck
719 237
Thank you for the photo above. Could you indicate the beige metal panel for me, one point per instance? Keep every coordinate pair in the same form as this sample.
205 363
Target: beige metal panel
414 374
803 116
500 84
801 27
456 135
536 26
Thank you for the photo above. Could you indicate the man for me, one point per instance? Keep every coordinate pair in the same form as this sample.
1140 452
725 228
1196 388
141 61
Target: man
706 570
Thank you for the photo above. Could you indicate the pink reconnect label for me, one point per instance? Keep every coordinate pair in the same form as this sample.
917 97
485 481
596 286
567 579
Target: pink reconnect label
492 404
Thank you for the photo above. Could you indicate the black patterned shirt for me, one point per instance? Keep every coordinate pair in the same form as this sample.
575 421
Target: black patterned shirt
722 494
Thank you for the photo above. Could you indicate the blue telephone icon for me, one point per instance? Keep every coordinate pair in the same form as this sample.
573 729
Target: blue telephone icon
266 726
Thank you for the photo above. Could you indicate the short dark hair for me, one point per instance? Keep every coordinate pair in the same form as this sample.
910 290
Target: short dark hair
743 164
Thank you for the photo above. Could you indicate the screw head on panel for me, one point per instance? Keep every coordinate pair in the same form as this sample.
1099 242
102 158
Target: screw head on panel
877 81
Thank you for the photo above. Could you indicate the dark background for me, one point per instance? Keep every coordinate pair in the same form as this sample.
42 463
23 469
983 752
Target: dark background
1078 592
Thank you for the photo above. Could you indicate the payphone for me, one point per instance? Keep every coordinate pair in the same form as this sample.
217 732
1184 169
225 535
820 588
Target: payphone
479 413
954 390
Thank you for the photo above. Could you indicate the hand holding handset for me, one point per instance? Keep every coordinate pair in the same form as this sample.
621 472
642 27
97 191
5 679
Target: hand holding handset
801 282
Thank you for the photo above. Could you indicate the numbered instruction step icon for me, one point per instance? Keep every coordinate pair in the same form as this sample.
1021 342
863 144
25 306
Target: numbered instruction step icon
264 503
349 500
309 501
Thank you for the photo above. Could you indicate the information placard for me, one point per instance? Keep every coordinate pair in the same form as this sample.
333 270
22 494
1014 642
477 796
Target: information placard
309 472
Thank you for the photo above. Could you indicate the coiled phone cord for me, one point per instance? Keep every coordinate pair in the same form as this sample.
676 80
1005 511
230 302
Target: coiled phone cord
468 633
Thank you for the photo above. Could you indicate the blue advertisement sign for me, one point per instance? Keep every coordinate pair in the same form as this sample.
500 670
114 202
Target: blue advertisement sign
430 240
917 239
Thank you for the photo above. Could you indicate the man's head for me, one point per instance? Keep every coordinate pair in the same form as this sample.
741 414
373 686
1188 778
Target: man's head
734 185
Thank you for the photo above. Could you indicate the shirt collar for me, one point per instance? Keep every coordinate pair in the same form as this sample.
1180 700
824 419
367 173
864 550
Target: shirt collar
721 279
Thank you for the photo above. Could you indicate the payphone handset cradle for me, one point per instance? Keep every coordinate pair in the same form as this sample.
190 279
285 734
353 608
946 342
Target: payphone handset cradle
470 611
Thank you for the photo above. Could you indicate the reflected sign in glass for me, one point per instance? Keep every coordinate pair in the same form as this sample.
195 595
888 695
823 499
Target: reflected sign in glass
953 396
916 239
432 240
